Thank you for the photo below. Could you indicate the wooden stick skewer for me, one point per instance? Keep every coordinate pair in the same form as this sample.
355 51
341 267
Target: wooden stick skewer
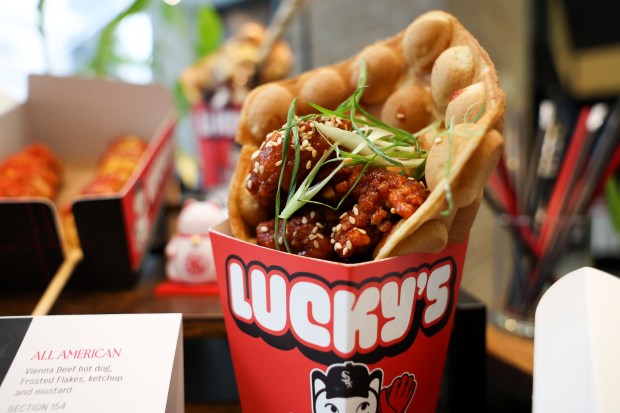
282 19
55 287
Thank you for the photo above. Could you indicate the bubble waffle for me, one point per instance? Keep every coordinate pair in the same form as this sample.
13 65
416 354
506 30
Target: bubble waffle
434 70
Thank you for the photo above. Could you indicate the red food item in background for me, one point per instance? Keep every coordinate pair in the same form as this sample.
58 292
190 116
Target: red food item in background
105 184
116 165
45 155
125 147
35 171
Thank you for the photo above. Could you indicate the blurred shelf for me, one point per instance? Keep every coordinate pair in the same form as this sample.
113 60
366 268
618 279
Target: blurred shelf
510 349
202 315
510 366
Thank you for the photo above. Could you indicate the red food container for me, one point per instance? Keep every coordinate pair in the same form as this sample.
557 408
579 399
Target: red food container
215 130
308 335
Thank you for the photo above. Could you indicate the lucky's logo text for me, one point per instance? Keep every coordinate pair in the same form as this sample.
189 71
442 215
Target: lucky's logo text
336 321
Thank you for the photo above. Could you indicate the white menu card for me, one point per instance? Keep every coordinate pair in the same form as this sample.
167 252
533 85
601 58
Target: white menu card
92 363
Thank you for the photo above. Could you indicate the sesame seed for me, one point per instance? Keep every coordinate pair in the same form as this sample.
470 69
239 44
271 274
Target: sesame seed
345 251
262 169
320 236
309 165
334 229
305 143
279 141
315 230
351 220
312 214
361 230
316 244
280 240
392 210
338 246
249 184
314 153
349 244
255 154
304 220
344 214
338 227
256 166
333 241
279 163
311 237
400 116
270 134
438 139
264 228
318 224
355 210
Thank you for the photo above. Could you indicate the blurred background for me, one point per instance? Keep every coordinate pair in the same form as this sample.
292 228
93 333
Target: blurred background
153 40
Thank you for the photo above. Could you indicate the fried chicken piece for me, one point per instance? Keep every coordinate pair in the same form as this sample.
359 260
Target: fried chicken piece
383 198
306 235
267 161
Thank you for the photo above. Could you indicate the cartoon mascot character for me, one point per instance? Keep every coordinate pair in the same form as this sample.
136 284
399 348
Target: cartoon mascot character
352 387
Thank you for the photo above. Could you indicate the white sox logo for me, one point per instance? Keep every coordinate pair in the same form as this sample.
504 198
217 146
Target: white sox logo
346 379
331 322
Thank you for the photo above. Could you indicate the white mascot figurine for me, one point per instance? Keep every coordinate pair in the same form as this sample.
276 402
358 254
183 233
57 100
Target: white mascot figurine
189 255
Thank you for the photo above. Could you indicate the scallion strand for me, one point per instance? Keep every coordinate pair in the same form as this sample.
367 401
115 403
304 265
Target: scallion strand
290 119
447 186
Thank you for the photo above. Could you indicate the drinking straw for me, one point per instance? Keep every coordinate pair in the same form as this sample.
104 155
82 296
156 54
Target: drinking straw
548 167
579 198
546 119
501 197
578 148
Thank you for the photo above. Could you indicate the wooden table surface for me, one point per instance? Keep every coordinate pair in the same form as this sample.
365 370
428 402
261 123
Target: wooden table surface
202 315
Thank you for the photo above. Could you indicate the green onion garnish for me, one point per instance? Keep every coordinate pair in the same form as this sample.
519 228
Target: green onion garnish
290 119
446 181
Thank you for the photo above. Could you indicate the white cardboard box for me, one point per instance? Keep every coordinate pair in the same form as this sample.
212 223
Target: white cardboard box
77 118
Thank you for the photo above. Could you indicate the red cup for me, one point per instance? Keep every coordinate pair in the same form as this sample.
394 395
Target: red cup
215 130
309 335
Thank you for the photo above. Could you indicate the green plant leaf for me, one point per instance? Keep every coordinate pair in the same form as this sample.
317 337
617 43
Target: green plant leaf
210 31
612 196
182 104
106 57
